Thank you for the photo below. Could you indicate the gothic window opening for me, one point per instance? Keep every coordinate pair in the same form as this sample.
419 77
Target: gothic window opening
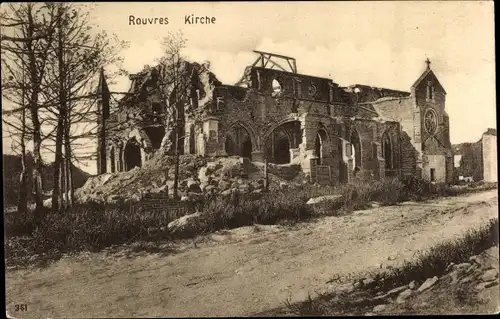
430 91
319 145
192 148
277 88
195 96
155 134
387 151
331 94
238 142
297 88
356 151
278 145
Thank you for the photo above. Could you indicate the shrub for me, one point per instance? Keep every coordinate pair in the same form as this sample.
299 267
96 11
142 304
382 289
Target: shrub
360 194
248 209
415 188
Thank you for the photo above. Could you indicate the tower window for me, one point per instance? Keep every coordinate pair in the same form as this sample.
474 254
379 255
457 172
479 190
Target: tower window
430 91
297 88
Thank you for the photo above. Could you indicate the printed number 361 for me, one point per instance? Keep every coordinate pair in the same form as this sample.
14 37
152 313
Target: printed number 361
22 307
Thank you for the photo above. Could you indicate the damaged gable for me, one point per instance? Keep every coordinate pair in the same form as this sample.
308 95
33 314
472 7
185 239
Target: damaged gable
427 76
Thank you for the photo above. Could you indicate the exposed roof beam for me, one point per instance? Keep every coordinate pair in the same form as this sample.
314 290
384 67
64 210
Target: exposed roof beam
273 54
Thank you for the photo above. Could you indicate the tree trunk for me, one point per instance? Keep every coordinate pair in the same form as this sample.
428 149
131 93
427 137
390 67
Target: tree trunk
22 203
33 106
61 119
37 166
68 171
176 165
56 190
61 183
66 183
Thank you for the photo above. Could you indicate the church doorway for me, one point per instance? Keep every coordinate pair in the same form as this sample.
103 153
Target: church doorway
319 142
282 151
132 155
246 148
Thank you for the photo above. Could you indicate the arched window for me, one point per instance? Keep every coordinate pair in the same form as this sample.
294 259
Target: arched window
321 138
192 140
238 142
387 151
277 88
356 150
278 146
430 90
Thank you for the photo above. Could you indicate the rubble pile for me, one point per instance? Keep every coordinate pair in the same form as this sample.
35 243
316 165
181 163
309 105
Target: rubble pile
198 176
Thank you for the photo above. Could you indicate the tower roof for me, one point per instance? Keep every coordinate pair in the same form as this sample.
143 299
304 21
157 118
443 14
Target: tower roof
425 74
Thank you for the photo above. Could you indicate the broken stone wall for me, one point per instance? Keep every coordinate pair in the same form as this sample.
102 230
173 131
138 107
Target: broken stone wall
471 162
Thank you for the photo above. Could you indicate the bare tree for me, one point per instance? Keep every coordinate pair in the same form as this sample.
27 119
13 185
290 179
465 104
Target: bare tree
175 86
77 57
27 33
15 124
55 47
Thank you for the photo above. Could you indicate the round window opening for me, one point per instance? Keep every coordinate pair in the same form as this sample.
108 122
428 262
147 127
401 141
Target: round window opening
312 90
430 121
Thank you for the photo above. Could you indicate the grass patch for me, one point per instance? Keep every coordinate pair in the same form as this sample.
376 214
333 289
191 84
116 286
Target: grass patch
92 227
89 227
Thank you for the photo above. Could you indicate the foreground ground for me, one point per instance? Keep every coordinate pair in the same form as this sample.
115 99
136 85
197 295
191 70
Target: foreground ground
246 270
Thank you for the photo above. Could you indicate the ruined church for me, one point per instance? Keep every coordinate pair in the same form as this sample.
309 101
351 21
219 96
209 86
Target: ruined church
276 114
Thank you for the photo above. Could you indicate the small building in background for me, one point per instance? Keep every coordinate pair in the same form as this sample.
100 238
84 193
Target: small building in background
477 161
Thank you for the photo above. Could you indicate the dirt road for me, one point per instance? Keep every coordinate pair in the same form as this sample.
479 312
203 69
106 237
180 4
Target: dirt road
246 270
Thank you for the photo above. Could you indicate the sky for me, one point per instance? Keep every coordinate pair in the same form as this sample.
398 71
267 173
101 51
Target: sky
381 44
